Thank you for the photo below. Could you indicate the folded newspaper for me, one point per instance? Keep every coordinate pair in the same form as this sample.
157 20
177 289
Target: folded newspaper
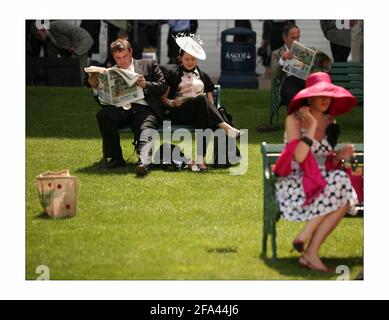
306 60
116 86
185 96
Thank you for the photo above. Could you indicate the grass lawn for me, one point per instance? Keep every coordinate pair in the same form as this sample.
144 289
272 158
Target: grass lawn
170 225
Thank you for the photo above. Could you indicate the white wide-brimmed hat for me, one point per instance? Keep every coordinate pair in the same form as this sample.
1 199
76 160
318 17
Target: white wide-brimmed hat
191 46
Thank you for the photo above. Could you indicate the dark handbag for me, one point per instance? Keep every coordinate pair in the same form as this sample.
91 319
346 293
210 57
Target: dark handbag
170 157
232 153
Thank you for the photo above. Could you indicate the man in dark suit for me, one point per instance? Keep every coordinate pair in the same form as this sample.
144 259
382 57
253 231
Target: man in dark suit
143 116
289 84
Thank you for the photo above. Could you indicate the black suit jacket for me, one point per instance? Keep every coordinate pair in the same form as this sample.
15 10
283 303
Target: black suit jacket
156 85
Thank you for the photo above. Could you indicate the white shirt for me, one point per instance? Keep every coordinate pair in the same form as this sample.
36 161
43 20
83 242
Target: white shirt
191 85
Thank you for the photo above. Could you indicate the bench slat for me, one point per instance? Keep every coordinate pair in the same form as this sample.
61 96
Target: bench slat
350 70
347 77
349 85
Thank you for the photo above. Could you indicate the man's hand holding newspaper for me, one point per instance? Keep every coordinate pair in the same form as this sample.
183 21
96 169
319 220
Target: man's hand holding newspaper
116 86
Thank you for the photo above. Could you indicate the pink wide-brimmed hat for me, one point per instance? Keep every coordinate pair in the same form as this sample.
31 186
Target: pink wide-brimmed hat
319 84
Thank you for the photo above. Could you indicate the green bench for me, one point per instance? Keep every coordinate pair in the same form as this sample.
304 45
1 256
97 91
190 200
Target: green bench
349 75
271 213
275 103
127 129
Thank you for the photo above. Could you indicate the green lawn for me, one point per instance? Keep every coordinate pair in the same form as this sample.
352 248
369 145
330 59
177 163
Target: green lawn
170 225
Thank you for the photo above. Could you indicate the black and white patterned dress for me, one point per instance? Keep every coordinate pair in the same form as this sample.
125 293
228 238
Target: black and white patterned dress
290 194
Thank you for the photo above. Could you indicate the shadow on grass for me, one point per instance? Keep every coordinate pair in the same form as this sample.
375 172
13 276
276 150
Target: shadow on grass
43 216
222 250
290 267
99 168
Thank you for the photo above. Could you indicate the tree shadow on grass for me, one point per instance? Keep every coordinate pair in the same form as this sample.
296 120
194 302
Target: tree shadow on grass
289 267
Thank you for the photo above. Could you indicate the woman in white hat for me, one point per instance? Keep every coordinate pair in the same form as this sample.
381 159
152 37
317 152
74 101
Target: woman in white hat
189 96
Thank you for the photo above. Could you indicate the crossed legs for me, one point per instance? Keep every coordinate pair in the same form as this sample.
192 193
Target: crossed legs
315 232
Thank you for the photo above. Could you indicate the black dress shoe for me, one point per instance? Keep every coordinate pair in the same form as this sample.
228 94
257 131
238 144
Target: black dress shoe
115 163
141 170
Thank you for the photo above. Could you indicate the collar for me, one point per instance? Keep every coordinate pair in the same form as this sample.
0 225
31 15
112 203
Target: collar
194 70
131 67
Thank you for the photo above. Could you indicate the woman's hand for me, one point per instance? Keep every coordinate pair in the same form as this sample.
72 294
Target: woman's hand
93 80
176 103
346 153
304 113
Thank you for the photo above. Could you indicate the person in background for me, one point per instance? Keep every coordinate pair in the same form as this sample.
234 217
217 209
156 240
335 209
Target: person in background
93 28
65 39
289 84
263 50
356 40
339 36
242 24
176 27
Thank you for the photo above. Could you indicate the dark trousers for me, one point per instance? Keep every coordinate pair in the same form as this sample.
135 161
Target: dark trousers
340 53
291 86
198 112
139 117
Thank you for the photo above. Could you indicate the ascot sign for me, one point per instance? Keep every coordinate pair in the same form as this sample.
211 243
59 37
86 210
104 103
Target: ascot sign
238 56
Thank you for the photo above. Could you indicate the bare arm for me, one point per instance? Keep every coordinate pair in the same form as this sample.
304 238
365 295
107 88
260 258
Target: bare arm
293 127
210 97
175 103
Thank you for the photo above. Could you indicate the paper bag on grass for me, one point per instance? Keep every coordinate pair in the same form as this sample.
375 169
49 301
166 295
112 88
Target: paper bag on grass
58 193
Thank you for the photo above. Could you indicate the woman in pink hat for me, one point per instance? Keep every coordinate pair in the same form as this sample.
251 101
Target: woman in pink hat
311 186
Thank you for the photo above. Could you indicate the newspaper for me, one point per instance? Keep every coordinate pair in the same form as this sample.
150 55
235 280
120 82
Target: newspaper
306 60
188 96
189 92
117 86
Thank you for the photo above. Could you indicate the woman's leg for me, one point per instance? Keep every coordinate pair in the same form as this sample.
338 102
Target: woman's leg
190 114
327 225
229 130
309 229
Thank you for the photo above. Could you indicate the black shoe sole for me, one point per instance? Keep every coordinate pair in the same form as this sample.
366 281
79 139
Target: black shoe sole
141 171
